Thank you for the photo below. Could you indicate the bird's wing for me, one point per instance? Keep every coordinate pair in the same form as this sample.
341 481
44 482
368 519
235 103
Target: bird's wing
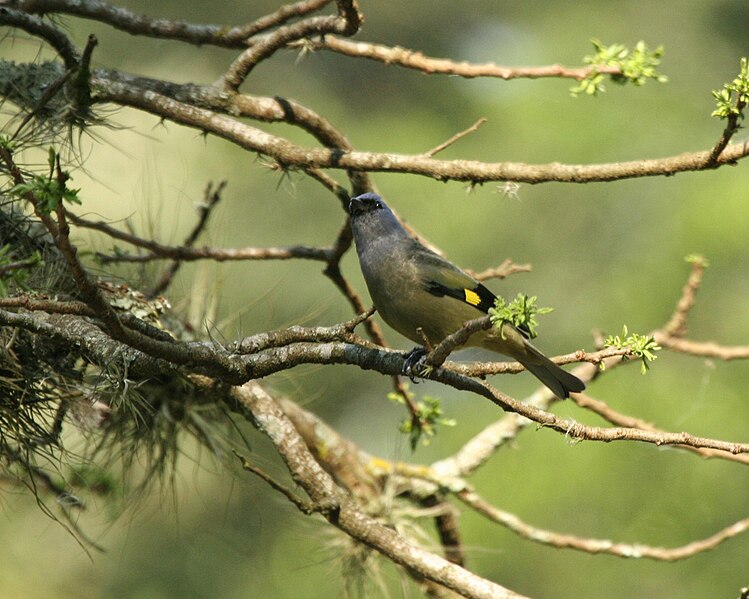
442 278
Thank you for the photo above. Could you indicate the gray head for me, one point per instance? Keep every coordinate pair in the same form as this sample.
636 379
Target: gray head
371 217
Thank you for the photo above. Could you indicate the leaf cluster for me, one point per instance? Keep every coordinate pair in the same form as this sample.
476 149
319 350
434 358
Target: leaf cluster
635 66
639 346
520 312
48 190
733 97
428 416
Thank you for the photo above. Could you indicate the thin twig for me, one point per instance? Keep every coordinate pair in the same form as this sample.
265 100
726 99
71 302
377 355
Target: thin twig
481 369
46 305
677 324
449 344
504 270
456 137
48 94
608 413
703 349
221 254
302 505
333 272
211 197
182 253
403 57
626 550
732 126
446 522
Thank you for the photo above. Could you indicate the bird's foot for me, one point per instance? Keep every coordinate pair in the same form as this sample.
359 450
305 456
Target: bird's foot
414 365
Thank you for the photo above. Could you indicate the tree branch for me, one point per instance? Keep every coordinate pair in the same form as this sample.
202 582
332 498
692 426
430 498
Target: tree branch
677 324
39 28
703 349
289 154
188 254
594 546
341 511
125 20
211 197
237 369
457 137
607 413
346 23
332 448
412 59
504 270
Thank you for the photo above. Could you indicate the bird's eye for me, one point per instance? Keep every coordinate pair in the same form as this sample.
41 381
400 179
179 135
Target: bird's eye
378 204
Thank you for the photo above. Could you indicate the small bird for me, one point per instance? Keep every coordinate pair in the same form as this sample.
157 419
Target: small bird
414 288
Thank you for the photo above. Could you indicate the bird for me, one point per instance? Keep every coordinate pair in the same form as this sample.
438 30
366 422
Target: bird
419 293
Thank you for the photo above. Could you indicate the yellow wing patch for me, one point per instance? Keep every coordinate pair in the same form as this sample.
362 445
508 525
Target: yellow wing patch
472 297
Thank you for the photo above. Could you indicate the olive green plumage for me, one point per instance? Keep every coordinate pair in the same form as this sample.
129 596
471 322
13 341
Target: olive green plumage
412 288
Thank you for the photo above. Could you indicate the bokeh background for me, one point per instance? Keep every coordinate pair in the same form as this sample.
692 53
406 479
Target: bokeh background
603 255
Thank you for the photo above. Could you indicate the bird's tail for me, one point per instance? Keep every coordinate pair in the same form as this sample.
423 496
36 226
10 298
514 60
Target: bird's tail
511 342
559 381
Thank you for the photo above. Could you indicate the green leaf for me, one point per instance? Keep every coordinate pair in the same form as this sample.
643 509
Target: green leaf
640 346
429 416
47 191
697 259
520 312
733 97
636 66
7 143
51 159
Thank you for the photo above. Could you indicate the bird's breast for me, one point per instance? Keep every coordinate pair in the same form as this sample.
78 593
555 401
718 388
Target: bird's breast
404 303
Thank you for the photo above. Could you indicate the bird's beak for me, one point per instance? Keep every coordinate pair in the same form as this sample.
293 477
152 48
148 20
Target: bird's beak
354 206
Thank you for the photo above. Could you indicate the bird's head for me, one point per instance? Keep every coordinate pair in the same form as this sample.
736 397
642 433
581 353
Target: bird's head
366 203
371 218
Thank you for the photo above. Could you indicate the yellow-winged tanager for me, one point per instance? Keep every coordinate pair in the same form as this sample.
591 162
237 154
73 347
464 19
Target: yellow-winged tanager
414 288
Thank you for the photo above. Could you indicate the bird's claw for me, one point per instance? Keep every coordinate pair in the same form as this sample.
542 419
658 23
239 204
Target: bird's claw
414 366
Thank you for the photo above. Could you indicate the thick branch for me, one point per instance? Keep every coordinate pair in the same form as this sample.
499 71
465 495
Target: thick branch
345 459
51 34
289 154
341 511
237 369
198 34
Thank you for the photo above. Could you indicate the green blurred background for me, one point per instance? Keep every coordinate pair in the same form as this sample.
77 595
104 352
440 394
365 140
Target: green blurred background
602 254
